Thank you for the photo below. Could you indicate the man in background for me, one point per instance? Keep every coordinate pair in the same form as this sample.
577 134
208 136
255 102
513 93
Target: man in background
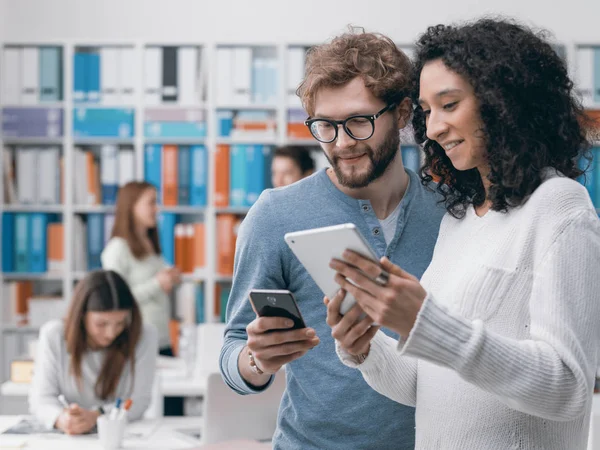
291 164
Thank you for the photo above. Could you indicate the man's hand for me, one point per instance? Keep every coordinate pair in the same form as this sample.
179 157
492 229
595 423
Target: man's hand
272 345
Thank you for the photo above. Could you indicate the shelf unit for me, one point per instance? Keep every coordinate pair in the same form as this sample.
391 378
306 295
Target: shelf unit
67 142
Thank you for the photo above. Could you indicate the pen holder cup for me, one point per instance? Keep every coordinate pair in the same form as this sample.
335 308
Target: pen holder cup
111 432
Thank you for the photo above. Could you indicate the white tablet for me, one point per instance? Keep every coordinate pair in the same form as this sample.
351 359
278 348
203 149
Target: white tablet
316 247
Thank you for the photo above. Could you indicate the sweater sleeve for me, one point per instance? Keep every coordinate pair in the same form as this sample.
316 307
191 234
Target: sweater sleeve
45 389
385 370
258 263
551 374
117 256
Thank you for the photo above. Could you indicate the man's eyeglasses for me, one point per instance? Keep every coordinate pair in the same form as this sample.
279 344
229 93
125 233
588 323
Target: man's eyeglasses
360 127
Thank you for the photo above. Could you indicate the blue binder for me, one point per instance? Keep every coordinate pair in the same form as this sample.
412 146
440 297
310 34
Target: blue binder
597 75
175 129
152 167
8 242
93 73
50 74
103 122
184 174
255 172
237 179
38 243
200 303
80 77
95 240
588 178
199 175
166 236
22 242
596 176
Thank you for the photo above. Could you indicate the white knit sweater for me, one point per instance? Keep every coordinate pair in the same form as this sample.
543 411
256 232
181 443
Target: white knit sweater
140 275
504 350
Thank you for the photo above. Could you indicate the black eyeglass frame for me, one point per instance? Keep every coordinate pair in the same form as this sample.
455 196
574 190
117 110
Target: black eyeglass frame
336 123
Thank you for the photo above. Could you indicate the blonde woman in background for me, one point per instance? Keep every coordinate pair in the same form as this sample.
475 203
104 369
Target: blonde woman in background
134 252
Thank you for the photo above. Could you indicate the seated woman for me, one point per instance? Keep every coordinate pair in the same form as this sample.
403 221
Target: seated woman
101 351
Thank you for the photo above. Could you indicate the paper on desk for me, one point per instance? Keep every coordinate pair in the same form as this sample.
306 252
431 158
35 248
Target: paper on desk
12 442
141 429
27 425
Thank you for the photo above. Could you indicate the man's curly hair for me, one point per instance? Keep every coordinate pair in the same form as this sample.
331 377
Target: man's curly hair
386 70
531 117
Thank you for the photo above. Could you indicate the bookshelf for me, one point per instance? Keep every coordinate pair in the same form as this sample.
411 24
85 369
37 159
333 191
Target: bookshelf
138 89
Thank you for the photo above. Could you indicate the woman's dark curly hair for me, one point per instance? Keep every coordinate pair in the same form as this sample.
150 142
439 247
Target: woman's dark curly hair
531 117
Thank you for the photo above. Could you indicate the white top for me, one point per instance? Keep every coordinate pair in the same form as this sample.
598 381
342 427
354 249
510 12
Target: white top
504 350
52 375
140 274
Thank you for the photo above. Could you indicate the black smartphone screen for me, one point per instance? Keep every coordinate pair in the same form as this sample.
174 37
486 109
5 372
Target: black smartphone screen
277 304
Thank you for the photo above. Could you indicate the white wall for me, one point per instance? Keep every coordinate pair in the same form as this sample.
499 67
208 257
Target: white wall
273 20
2 15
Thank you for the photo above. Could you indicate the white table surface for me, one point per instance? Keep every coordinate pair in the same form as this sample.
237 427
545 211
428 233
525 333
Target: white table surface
181 386
173 381
9 389
169 386
156 434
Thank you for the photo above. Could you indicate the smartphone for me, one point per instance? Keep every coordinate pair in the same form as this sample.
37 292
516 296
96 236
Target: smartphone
277 303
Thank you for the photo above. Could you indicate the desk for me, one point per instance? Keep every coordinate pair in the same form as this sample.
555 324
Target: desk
170 386
172 382
157 434
180 386
10 389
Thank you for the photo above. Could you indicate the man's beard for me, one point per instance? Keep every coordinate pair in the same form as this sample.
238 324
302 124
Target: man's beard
380 160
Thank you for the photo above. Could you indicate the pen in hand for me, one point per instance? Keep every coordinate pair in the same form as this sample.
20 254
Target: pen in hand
63 401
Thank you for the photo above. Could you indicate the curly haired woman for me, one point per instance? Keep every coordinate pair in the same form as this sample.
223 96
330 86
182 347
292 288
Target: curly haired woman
498 345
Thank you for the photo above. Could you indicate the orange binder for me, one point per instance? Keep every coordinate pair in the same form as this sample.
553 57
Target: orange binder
169 175
225 243
188 255
593 115
298 131
222 176
55 247
23 292
93 188
199 253
180 246
174 335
